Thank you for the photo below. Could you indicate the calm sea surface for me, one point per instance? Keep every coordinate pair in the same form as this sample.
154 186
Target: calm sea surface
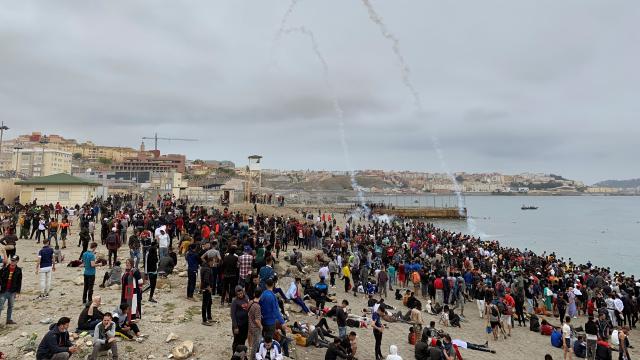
603 229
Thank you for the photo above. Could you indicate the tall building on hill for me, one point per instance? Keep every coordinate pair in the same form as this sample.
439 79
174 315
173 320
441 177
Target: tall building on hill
41 161
86 150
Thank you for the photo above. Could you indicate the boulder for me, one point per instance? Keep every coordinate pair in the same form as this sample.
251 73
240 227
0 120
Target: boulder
183 351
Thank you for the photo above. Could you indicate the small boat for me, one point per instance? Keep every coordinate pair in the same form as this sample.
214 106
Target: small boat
529 207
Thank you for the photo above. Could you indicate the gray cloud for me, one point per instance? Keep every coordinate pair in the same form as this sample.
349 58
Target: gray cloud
523 86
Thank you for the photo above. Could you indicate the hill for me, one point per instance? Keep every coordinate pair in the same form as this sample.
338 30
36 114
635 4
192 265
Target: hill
631 183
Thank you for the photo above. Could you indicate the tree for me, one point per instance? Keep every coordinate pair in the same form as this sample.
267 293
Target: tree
77 156
104 161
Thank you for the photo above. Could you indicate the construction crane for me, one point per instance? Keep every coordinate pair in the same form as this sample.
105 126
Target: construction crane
155 138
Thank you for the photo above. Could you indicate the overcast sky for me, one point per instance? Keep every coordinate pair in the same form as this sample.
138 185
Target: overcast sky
509 86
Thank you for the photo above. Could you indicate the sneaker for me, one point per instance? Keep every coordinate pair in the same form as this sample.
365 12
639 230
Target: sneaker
11 322
205 323
153 300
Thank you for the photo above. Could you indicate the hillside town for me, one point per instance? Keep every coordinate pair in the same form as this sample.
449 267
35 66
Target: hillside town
113 169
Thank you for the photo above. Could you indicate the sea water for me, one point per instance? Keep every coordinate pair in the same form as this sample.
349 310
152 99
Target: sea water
602 229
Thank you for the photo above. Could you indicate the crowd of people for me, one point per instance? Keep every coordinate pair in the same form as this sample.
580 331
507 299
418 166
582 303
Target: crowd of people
234 257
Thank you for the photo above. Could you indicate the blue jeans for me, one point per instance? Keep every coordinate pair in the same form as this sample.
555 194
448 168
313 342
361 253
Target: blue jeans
162 252
301 303
135 254
11 298
342 331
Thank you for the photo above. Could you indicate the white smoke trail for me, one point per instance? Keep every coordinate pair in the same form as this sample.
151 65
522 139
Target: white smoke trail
395 45
337 108
283 22
406 80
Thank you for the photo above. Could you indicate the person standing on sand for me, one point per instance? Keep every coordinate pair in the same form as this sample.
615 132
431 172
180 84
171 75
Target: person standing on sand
254 315
378 329
10 286
131 294
346 275
229 275
239 317
44 267
382 280
89 275
192 270
566 338
269 310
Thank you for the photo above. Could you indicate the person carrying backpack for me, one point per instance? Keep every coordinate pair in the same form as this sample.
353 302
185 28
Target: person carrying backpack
113 244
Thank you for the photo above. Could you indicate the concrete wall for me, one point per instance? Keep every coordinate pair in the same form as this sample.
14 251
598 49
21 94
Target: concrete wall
9 190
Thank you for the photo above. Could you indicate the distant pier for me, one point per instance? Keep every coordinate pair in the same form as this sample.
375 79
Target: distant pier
423 213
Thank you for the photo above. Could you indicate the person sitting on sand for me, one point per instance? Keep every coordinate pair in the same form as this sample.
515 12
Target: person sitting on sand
124 328
91 315
113 276
56 345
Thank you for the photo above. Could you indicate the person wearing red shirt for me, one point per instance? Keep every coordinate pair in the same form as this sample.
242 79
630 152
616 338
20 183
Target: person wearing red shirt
205 232
179 227
508 312
439 286
10 286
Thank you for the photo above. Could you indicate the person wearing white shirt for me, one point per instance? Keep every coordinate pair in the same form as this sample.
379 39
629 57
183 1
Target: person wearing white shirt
163 244
324 272
566 339
269 350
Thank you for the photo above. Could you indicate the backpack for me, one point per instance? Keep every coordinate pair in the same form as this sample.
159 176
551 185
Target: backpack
534 324
494 311
415 277
502 307
112 242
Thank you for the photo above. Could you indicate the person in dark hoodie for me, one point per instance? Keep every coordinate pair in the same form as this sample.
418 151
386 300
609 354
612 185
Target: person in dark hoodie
422 347
335 351
55 345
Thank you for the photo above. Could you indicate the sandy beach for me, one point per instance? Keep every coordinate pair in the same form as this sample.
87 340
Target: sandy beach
174 314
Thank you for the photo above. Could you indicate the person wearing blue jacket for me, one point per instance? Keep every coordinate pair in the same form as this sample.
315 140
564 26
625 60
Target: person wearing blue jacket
270 310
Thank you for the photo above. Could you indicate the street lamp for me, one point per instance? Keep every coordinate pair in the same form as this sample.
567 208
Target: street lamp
43 142
3 127
17 149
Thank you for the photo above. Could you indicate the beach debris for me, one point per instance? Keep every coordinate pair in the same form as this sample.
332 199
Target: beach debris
31 343
183 351
171 337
